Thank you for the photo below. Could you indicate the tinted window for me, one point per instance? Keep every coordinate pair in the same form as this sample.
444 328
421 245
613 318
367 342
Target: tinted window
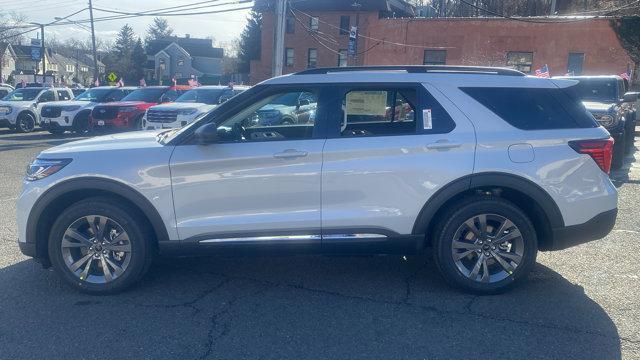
24 94
63 95
435 57
47 96
93 95
283 116
206 96
535 109
378 112
597 89
150 95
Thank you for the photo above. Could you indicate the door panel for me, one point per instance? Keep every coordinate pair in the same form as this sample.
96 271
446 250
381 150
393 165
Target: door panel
241 188
380 183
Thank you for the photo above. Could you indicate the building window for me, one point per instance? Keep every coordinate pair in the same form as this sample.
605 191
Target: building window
574 66
178 75
435 57
180 62
290 24
312 60
84 69
342 58
520 61
344 25
289 57
313 23
53 67
69 68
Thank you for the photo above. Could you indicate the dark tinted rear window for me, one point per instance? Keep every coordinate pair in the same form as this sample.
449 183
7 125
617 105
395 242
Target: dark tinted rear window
535 109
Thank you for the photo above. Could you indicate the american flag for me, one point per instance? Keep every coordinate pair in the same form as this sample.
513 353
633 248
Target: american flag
543 72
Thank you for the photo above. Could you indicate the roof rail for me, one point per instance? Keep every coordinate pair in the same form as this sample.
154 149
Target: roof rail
418 69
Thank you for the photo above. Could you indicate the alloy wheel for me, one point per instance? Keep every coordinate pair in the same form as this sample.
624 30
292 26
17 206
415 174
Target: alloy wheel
96 249
487 248
27 124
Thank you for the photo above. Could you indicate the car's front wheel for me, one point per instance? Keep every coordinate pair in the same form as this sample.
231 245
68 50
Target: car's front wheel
485 245
26 123
100 246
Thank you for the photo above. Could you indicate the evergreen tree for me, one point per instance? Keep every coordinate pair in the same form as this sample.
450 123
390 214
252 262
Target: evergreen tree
158 29
249 43
138 59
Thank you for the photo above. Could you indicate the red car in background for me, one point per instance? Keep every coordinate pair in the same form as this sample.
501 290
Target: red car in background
127 113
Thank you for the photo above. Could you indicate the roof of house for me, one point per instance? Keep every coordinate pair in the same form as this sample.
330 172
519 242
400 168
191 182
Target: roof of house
399 7
195 47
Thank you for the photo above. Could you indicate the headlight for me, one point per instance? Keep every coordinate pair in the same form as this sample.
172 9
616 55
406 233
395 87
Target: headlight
5 109
605 120
70 108
187 111
41 168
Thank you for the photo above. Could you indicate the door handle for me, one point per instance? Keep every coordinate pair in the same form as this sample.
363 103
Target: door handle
290 154
443 145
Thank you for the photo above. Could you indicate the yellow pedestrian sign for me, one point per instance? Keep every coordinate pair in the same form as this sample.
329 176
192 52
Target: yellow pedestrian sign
112 77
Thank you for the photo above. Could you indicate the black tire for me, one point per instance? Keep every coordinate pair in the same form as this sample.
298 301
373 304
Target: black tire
81 124
618 154
456 216
26 123
288 121
56 131
128 218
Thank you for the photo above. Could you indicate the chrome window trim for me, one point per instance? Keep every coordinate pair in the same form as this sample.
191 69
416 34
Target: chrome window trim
292 238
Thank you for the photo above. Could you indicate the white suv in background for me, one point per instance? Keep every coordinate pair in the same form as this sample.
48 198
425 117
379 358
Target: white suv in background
188 107
73 115
20 110
485 165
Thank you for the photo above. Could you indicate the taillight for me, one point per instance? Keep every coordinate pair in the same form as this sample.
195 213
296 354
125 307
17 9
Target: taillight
601 151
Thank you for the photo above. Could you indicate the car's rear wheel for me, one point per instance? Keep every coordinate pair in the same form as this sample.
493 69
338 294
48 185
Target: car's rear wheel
26 123
617 160
485 245
81 124
100 246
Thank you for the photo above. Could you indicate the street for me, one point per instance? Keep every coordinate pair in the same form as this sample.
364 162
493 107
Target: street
580 303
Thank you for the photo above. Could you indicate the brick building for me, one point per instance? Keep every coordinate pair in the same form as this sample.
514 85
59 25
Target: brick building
317 36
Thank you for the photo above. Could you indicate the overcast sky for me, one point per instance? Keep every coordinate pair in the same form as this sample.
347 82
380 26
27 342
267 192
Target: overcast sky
223 27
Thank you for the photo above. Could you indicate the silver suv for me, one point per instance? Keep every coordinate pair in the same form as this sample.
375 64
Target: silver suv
485 165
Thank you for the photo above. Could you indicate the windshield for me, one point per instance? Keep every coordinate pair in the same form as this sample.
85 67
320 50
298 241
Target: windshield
206 96
597 90
93 95
24 94
148 95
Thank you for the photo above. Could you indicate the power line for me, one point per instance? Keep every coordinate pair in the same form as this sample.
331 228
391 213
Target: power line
238 2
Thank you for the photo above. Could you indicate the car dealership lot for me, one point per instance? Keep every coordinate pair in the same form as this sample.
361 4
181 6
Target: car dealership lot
578 303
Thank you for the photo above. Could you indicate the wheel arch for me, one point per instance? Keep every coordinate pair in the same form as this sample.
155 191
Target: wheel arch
61 196
535 201
85 112
30 112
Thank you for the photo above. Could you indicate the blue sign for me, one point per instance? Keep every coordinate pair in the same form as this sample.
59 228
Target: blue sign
36 49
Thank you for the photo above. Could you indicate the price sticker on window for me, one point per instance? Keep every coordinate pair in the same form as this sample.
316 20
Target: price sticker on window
426 119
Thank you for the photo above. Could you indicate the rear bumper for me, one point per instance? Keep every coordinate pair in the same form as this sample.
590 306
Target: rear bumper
594 229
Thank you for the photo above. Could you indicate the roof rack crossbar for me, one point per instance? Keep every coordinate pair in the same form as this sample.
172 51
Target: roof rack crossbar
418 69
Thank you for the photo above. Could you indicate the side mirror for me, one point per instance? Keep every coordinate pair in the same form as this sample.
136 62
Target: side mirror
303 102
630 97
206 134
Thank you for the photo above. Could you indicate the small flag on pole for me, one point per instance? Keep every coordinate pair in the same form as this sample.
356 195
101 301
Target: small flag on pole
96 83
543 72
120 83
143 83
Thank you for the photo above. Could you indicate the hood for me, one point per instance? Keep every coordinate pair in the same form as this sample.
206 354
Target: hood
17 104
181 105
125 103
124 141
594 106
71 103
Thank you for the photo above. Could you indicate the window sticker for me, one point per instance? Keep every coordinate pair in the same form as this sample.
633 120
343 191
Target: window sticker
426 118
367 103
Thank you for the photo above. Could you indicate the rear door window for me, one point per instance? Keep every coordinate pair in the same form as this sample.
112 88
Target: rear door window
64 95
534 108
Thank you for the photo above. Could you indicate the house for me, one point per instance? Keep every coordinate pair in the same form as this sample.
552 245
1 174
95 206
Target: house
25 65
317 35
183 58
7 61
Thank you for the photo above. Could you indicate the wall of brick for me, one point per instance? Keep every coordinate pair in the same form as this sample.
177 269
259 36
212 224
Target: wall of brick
482 42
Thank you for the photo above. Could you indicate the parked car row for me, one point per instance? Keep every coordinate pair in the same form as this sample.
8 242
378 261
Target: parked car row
109 108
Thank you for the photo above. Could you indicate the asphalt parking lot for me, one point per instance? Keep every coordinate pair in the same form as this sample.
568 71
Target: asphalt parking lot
581 303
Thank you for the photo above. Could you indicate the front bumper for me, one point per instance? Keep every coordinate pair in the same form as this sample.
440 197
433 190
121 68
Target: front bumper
596 228
8 120
65 120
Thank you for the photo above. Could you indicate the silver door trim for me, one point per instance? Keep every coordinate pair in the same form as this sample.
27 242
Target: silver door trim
292 238
263 238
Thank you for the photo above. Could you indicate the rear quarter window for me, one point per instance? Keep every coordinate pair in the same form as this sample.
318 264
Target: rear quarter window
533 108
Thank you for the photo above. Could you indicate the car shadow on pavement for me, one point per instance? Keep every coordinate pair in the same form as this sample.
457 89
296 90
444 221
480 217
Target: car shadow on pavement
310 307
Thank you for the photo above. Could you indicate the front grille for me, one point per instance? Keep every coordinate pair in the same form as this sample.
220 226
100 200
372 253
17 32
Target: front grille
51 111
104 112
162 116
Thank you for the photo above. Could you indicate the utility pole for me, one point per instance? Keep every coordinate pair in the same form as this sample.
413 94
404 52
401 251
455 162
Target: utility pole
553 7
44 56
93 44
278 52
